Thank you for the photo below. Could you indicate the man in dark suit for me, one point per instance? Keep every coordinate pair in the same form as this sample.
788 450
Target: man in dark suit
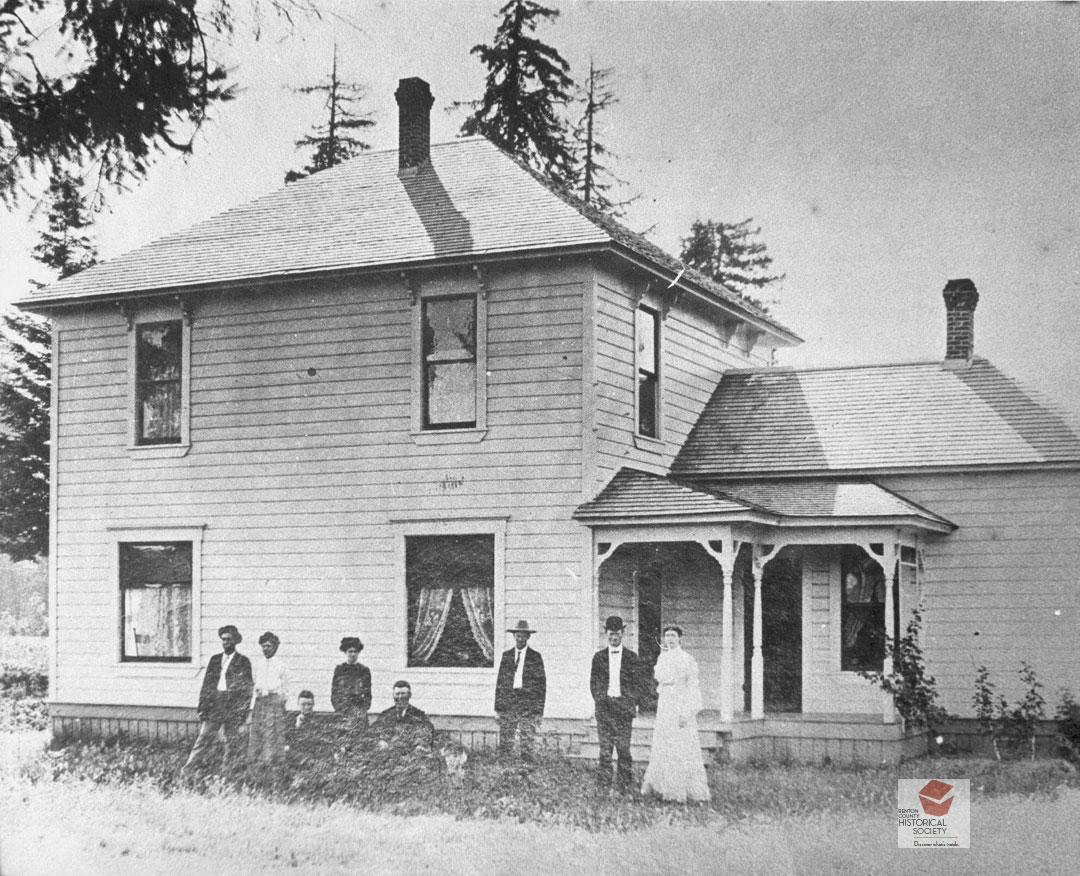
615 682
520 693
223 701
403 727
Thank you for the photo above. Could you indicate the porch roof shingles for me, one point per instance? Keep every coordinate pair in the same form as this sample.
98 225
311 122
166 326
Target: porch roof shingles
781 420
634 494
835 499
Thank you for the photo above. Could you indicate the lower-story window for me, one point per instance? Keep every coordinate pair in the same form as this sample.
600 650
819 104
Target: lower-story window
156 601
862 613
450 583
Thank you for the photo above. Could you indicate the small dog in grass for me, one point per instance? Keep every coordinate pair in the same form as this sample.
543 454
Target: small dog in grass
454 756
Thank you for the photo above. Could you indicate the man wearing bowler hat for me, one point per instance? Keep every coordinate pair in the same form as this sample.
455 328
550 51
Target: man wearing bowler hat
615 683
520 693
223 701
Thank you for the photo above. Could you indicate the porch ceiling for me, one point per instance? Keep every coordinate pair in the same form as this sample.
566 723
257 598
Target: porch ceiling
634 496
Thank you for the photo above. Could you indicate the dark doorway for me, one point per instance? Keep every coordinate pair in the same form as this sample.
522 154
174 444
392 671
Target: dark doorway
781 633
649 636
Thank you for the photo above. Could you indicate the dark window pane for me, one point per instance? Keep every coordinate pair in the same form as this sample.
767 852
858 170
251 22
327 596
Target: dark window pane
648 373
450 583
155 585
158 369
449 362
862 613
647 405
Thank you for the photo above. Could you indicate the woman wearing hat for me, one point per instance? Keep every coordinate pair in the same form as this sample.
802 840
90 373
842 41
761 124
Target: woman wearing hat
350 691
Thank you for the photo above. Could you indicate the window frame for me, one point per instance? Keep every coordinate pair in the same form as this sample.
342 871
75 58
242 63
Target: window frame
150 315
120 535
494 526
656 373
444 288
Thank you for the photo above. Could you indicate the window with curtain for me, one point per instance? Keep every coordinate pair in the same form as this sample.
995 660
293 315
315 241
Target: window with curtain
448 356
155 601
158 382
648 372
862 612
450 582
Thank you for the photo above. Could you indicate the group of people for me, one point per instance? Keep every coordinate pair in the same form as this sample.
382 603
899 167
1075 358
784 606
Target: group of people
237 695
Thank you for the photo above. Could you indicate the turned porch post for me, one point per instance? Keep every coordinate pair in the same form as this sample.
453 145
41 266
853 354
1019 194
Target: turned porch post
726 558
757 660
887 559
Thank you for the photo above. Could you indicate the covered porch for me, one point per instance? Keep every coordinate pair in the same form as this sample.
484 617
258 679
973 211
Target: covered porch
785 592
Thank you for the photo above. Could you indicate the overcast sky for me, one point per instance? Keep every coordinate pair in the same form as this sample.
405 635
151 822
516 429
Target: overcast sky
882 148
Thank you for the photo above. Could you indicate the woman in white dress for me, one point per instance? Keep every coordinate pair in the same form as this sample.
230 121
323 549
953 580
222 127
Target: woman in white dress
676 770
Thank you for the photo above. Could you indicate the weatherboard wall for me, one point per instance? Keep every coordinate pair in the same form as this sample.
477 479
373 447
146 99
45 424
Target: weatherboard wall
694 350
304 475
1005 586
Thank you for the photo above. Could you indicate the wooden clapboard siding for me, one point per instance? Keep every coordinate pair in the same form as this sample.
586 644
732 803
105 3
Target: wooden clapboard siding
693 357
826 688
1003 588
297 478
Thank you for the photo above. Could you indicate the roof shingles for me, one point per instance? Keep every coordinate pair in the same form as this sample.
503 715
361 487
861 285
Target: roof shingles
891 417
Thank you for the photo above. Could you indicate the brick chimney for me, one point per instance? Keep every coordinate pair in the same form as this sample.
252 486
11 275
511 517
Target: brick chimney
414 124
960 300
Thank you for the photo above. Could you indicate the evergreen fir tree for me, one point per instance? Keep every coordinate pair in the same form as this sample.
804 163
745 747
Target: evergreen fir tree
594 180
528 86
111 84
731 254
334 141
25 343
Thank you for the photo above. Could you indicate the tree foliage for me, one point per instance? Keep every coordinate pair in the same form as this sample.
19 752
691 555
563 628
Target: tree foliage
334 141
87 82
25 350
528 86
66 245
594 180
731 254
24 434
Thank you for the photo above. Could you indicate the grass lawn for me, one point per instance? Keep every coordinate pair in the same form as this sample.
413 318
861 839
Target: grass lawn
78 827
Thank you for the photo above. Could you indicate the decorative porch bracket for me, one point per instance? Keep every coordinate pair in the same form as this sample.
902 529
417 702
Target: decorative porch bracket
887 559
729 549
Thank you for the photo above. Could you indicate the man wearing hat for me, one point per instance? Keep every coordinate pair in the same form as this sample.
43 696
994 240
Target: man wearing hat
615 682
520 692
223 700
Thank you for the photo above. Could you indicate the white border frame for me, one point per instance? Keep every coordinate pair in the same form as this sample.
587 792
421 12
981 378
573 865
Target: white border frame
122 535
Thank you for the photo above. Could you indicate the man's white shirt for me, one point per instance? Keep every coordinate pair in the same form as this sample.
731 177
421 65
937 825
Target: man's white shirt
226 659
614 657
519 656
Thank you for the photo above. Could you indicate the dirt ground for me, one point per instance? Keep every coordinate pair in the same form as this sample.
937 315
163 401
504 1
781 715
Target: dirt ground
78 829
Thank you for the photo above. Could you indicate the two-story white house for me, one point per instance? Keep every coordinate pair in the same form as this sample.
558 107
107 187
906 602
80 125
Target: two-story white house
423 394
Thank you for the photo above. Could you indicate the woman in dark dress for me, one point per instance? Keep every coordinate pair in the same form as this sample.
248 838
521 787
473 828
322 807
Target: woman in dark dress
350 691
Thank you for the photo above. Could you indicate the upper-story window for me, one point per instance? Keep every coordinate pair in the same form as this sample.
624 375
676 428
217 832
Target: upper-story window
449 361
647 363
159 380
